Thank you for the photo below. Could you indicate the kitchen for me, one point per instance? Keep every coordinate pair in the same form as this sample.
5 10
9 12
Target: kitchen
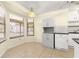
34 23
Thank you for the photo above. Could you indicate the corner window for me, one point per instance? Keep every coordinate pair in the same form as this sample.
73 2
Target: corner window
30 27
16 28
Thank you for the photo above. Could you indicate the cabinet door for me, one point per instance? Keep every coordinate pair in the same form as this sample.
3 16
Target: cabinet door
45 24
61 41
48 23
45 40
48 40
51 23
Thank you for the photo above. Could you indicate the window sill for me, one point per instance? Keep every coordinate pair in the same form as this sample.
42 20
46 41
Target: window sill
16 37
2 41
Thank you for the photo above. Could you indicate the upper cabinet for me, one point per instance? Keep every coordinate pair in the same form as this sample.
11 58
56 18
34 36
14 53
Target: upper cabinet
73 21
48 22
73 16
61 29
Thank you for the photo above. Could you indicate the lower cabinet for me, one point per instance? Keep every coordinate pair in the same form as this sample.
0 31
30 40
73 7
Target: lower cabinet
48 40
61 41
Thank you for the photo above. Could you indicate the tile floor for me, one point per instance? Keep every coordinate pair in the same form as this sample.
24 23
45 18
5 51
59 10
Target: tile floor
36 50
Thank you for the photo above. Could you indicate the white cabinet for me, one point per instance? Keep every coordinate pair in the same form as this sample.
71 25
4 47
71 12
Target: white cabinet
61 41
44 23
48 23
48 40
61 29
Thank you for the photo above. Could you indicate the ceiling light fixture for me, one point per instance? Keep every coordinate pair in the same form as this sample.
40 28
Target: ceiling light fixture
31 13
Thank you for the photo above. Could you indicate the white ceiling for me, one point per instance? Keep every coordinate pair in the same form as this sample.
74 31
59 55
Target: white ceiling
43 6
